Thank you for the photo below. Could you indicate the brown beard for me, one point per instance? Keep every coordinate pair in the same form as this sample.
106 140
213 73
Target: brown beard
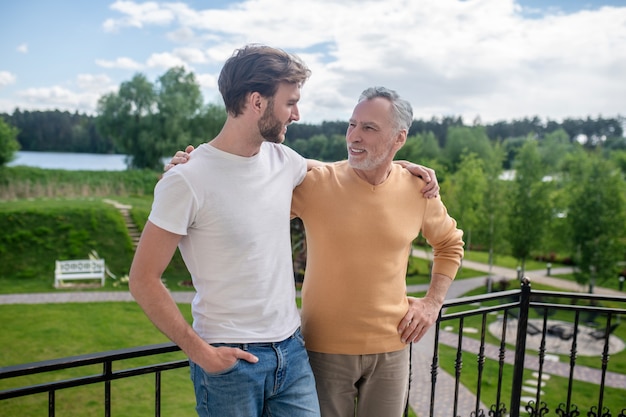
269 126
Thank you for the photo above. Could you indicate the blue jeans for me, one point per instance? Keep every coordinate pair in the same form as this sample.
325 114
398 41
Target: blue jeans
280 384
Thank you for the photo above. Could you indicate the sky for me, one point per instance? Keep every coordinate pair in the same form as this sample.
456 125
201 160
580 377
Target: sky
482 60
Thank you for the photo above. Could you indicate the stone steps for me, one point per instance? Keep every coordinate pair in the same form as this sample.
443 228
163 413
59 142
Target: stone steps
133 230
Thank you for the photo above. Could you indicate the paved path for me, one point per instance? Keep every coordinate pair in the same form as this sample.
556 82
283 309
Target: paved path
83 297
422 351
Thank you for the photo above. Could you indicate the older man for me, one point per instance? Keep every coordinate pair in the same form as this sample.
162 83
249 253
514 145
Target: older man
361 217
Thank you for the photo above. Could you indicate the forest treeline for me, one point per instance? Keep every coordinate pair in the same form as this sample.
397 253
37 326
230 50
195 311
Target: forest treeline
58 131
63 131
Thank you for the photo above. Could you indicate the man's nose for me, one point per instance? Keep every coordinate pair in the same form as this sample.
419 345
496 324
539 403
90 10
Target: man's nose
295 114
352 135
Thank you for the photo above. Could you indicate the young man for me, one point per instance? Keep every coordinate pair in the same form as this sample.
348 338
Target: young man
228 211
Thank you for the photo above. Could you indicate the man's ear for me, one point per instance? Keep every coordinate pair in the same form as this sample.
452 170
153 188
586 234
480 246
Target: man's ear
257 102
401 138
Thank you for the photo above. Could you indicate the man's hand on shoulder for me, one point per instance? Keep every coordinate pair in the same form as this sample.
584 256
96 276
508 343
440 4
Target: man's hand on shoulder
431 189
312 163
180 157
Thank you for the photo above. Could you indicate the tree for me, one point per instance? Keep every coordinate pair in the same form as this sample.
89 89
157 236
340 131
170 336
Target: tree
529 208
148 122
492 222
58 131
208 123
335 149
127 117
8 142
619 159
553 148
179 101
322 147
463 140
511 147
420 147
597 219
465 194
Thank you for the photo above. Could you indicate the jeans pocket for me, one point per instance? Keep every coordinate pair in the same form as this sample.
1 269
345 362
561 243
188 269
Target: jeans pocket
223 371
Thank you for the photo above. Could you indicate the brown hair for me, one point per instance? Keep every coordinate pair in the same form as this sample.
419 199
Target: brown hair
258 68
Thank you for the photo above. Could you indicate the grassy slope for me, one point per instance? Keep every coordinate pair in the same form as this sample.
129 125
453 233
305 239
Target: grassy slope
38 232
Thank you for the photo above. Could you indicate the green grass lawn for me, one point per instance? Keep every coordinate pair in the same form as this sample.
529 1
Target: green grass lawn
418 272
506 261
47 331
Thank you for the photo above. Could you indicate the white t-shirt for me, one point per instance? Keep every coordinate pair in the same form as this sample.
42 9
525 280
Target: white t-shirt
234 215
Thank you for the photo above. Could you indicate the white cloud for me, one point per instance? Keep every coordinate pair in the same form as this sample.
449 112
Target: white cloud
207 81
138 15
91 82
450 57
487 58
51 95
6 78
182 35
121 63
165 60
190 55
22 48
82 95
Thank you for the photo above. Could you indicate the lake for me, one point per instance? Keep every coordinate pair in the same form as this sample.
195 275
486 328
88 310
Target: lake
70 161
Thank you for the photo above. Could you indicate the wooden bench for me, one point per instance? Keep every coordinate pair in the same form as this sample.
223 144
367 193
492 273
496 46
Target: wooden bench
82 269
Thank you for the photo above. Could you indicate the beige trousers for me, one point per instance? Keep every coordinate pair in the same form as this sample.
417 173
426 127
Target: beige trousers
372 385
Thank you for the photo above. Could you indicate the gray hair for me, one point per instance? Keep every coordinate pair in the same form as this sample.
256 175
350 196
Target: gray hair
402 113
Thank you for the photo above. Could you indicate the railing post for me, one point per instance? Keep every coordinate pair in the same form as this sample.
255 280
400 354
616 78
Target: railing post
51 403
107 370
157 394
520 348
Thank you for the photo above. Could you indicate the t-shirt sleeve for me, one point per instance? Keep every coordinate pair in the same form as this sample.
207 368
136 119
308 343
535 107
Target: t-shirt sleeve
297 164
174 205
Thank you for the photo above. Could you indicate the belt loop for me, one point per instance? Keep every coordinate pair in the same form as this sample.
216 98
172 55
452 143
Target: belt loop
244 346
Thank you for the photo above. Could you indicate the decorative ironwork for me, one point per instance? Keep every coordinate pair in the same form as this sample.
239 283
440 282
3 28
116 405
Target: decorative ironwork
478 413
458 365
434 365
497 410
570 410
605 358
501 357
481 361
542 355
593 412
537 411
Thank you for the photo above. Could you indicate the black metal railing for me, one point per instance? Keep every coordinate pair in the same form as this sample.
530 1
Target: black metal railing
105 360
525 334
492 344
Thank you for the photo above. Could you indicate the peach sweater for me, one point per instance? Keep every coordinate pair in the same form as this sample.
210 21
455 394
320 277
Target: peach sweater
358 242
